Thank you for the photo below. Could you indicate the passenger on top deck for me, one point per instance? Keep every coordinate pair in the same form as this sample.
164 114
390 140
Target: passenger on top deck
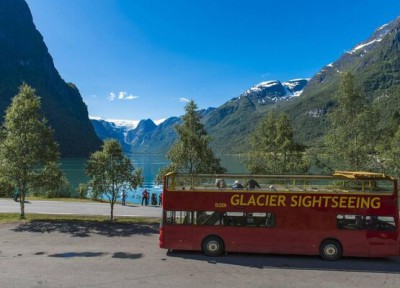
252 184
220 183
237 185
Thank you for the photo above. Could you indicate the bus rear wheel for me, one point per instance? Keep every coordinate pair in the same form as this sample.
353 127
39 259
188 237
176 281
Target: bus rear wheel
213 246
330 250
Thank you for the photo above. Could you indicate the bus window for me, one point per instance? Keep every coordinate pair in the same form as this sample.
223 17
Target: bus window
270 221
234 219
178 217
208 218
260 219
380 223
350 222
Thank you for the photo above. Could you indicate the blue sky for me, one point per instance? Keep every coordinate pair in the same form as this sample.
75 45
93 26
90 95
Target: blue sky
139 59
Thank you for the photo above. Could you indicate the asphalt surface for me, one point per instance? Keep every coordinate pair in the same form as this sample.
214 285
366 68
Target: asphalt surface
78 208
57 254
64 254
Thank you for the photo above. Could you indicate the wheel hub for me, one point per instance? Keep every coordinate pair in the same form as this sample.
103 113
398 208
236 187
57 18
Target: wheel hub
330 250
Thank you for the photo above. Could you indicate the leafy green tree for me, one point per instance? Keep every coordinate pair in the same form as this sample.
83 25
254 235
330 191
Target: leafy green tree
352 137
82 190
391 155
28 153
112 173
191 152
6 189
273 150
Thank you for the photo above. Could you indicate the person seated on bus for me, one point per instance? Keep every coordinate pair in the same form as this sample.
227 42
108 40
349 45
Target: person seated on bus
359 222
220 183
237 185
251 184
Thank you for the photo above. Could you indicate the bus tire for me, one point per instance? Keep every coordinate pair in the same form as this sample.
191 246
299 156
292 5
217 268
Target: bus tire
330 250
213 246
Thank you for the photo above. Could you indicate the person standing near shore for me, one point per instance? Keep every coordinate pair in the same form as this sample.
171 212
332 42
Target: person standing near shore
145 197
123 196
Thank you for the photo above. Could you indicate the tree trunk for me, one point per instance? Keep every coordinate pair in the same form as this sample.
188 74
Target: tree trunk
22 204
112 212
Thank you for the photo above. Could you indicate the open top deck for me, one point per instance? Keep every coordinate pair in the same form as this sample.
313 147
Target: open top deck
340 182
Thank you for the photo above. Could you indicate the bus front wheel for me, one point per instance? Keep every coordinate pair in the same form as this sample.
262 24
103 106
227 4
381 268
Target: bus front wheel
330 250
213 246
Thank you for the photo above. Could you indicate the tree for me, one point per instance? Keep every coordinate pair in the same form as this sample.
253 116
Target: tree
28 153
273 148
191 152
351 139
391 156
112 173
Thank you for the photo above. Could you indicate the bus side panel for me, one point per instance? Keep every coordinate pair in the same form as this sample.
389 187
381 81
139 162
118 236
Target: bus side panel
383 243
178 237
237 239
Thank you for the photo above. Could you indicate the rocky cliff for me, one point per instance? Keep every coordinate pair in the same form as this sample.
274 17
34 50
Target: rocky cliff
24 57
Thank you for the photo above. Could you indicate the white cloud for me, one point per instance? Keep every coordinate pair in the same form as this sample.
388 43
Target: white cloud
111 97
122 95
130 97
184 100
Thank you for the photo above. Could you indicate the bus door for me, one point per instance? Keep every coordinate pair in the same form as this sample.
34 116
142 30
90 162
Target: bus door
382 235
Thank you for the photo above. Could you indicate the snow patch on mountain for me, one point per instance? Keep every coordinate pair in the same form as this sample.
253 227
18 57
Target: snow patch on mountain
272 91
125 124
378 36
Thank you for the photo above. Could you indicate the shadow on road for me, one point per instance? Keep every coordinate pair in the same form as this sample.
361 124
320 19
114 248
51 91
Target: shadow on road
269 261
86 228
121 255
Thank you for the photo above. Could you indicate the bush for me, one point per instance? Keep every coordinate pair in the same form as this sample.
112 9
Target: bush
82 190
62 191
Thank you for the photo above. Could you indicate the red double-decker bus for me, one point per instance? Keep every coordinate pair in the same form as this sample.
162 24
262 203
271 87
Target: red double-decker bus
346 214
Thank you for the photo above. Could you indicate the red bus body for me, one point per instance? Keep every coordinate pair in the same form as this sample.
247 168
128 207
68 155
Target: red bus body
287 214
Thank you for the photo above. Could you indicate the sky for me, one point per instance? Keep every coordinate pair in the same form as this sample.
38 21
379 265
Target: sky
140 59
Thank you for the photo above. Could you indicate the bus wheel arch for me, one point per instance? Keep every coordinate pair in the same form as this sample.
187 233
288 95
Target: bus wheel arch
331 249
213 246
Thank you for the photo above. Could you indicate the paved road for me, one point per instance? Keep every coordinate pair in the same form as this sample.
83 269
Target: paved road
51 254
78 208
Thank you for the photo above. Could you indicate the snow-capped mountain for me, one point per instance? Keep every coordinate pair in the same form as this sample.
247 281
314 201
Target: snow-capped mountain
272 91
362 55
148 136
370 43
130 133
375 64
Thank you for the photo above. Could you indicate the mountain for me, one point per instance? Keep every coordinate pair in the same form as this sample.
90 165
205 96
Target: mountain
145 137
226 124
24 57
270 92
107 129
375 63
231 124
135 136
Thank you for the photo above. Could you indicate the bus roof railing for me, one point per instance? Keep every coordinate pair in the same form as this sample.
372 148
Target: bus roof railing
353 175
362 175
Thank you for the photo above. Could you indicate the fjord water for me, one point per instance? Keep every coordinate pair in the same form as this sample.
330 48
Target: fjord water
74 169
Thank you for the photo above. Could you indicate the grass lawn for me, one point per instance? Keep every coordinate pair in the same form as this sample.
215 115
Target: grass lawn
14 218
